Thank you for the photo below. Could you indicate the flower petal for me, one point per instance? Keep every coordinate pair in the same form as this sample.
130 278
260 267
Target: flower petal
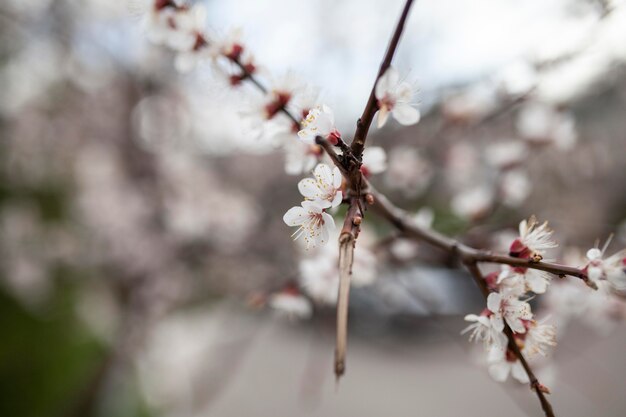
323 173
295 216
386 82
406 114
308 188
336 178
375 159
337 200
499 371
494 300
518 372
383 115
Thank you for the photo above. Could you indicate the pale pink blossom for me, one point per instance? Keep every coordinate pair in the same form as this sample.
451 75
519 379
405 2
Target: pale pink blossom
506 154
543 124
374 161
612 269
319 122
394 96
408 171
510 309
515 187
534 239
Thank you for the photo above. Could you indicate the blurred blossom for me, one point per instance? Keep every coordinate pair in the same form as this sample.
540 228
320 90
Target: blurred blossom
505 154
470 104
319 273
600 310
197 206
472 203
515 187
541 123
408 171
161 121
462 165
300 158
374 161
517 78
291 304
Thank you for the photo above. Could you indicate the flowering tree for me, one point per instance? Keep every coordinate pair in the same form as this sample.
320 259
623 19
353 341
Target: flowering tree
341 170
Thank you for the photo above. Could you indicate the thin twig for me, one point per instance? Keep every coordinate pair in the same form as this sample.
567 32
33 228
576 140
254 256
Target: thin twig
363 124
347 240
401 220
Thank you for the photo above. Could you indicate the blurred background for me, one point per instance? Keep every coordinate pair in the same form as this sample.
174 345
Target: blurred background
141 232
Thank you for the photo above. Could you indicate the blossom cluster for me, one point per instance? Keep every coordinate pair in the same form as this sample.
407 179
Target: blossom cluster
508 304
512 287
287 111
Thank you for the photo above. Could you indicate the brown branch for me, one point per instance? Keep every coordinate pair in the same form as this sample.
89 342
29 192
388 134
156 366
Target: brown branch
535 385
400 219
247 75
347 240
363 124
333 155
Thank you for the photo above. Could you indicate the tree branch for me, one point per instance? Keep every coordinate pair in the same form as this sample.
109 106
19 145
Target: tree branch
363 124
400 219
347 240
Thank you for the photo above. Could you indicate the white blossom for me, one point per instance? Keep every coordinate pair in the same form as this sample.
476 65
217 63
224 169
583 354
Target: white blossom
534 239
174 26
312 221
542 123
324 188
319 274
408 171
300 158
486 328
306 99
394 96
374 161
424 217
530 279
612 268
291 304
197 48
540 339
515 187
511 309
319 122
506 154
504 362
471 104
230 45
509 282
472 203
